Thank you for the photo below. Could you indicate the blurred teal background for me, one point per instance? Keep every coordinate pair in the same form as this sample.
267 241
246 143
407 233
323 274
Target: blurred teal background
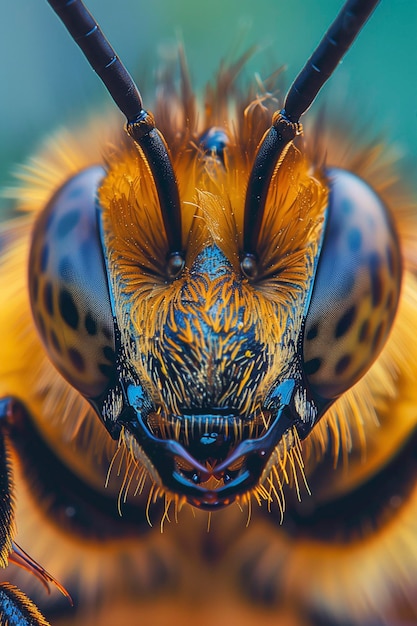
45 81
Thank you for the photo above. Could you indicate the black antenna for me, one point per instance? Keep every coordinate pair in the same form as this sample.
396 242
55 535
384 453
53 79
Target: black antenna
285 124
140 124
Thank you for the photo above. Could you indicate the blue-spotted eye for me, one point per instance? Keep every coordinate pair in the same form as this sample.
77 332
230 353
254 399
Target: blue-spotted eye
68 286
356 289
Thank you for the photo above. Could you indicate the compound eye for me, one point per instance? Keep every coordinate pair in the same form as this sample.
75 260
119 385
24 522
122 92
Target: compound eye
68 286
356 289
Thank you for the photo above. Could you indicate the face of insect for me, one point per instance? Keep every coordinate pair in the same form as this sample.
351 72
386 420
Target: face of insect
176 359
209 377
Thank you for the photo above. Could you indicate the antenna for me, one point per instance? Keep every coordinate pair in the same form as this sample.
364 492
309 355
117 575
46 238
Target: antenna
285 123
140 123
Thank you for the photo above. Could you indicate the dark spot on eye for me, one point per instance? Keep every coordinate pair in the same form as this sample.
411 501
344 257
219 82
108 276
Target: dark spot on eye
34 287
48 299
55 341
106 370
65 269
44 257
345 322
109 354
376 281
76 359
67 222
90 324
41 324
343 364
76 192
354 238
313 332
379 333
68 309
390 260
347 206
312 366
347 285
364 331
106 332
84 252
390 301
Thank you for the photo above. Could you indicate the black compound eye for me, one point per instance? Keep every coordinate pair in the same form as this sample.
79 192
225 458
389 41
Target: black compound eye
68 286
356 288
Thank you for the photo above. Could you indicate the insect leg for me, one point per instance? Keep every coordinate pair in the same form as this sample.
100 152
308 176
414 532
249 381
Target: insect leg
15 607
7 529
17 610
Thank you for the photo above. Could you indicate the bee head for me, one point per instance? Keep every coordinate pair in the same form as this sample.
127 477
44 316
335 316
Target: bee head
209 369
211 302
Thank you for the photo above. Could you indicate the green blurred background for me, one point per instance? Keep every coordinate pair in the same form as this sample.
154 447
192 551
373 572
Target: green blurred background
45 82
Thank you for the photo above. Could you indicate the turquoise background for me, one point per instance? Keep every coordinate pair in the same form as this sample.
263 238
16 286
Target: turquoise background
45 82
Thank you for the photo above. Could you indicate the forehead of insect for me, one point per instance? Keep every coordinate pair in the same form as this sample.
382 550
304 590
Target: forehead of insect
206 359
